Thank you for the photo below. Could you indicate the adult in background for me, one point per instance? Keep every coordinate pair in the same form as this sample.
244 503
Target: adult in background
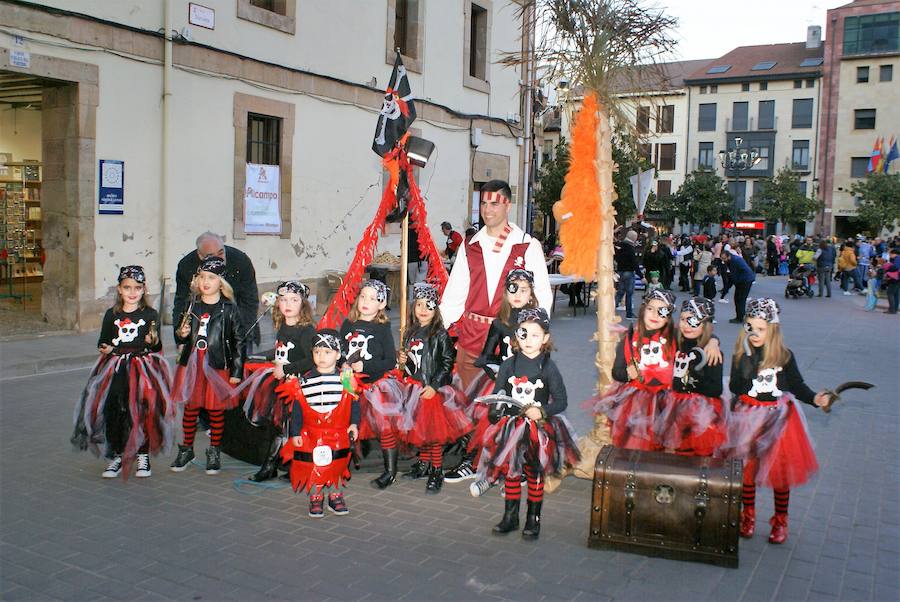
892 278
626 267
454 239
847 267
772 259
742 278
239 273
474 291
824 256
864 253
702 260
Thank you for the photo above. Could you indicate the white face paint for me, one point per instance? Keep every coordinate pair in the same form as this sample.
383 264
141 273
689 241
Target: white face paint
128 330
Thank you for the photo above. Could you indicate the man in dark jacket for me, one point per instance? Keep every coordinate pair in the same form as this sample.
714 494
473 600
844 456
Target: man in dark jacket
626 266
825 256
239 273
742 277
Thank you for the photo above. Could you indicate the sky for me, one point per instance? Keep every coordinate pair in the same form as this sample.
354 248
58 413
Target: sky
710 28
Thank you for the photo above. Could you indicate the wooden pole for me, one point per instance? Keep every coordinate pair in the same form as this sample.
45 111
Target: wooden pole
404 271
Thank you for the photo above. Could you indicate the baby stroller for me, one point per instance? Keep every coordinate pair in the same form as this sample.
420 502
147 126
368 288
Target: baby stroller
800 283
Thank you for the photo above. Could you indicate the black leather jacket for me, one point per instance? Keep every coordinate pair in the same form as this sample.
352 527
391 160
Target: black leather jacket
225 340
438 358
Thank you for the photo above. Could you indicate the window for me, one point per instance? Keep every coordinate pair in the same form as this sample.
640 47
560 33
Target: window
478 30
406 31
798 83
763 66
706 158
763 164
763 86
871 34
739 116
703 89
812 62
263 139
800 155
745 87
718 69
643 120
885 73
277 14
276 6
738 192
713 89
801 187
859 167
663 189
862 75
646 152
802 114
864 119
666 157
766 118
665 119
810 83
707 118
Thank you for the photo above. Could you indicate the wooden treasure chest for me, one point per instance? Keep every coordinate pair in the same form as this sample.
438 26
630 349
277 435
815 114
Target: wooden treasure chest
659 504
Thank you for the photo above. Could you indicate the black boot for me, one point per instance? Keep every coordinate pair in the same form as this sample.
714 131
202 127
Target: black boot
435 481
269 468
419 470
532 521
510 520
390 469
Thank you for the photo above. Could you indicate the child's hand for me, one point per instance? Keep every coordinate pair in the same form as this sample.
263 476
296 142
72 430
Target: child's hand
185 331
401 357
234 380
357 366
297 441
428 392
821 399
533 413
105 349
632 373
353 431
713 352
278 371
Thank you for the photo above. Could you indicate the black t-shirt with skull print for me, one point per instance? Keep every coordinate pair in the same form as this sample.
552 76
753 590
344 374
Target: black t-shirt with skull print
372 343
768 384
127 331
498 345
536 380
293 344
686 378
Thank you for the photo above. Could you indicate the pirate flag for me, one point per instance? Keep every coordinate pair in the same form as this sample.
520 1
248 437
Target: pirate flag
397 111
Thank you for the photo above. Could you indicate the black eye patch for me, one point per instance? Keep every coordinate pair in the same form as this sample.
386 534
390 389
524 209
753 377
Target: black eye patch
522 334
512 288
693 321
664 312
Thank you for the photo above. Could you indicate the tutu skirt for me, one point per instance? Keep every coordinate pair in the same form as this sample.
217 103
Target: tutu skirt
261 403
200 386
439 419
381 406
691 422
134 389
632 413
515 441
774 435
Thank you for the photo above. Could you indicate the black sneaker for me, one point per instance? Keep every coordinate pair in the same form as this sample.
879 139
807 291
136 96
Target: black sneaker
462 472
184 457
114 468
213 460
435 481
143 466
417 470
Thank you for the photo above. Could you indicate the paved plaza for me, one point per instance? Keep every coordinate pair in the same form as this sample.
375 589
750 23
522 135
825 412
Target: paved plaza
65 533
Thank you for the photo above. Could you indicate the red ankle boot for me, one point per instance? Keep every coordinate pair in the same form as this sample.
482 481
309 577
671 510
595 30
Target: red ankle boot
748 522
779 532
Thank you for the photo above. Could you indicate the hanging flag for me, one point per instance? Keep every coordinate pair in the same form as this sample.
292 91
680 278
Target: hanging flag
397 111
892 154
876 156
641 185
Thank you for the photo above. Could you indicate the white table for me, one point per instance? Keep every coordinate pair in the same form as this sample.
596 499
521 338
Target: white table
557 280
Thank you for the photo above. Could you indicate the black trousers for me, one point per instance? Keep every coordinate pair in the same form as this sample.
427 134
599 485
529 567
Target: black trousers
741 292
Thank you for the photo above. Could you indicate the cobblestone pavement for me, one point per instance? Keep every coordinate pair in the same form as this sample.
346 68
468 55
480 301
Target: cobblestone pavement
67 534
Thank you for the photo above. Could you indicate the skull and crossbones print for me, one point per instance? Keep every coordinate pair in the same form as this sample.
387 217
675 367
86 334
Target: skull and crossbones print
392 107
358 341
204 321
652 354
766 383
415 354
281 352
681 369
523 390
128 330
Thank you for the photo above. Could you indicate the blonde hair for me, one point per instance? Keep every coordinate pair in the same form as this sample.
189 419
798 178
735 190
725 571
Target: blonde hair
704 337
224 287
775 354
303 319
353 315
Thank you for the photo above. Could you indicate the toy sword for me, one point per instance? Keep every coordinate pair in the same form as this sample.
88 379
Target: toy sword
834 395
499 398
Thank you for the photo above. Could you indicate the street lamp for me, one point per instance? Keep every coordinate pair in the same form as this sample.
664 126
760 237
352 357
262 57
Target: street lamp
738 160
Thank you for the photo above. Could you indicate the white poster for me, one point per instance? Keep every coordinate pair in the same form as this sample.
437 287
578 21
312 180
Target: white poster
262 199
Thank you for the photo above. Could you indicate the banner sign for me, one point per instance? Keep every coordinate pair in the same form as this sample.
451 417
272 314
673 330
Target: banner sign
262 199
745 225
111 199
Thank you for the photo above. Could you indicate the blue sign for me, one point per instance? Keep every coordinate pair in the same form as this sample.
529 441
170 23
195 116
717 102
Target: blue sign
112 187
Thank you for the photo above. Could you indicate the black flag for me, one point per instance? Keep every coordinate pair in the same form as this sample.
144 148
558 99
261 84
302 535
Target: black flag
397 111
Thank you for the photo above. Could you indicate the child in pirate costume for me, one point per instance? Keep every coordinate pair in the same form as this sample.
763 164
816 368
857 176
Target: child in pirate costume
126 405
533 437
643 370
368 346
433 413
324 419
210 363
498 347
767 428
292 317
692 417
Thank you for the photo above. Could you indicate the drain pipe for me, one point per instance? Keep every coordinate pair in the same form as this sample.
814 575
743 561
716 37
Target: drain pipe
164 156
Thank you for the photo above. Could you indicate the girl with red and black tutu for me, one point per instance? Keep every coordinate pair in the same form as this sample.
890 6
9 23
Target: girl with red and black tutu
324 419
126 406
433 411
292 318
210 363
530 435
643 373
767 428
692 417
498 347
368 346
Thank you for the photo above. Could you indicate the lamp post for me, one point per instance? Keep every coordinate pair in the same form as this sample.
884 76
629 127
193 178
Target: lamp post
738 160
